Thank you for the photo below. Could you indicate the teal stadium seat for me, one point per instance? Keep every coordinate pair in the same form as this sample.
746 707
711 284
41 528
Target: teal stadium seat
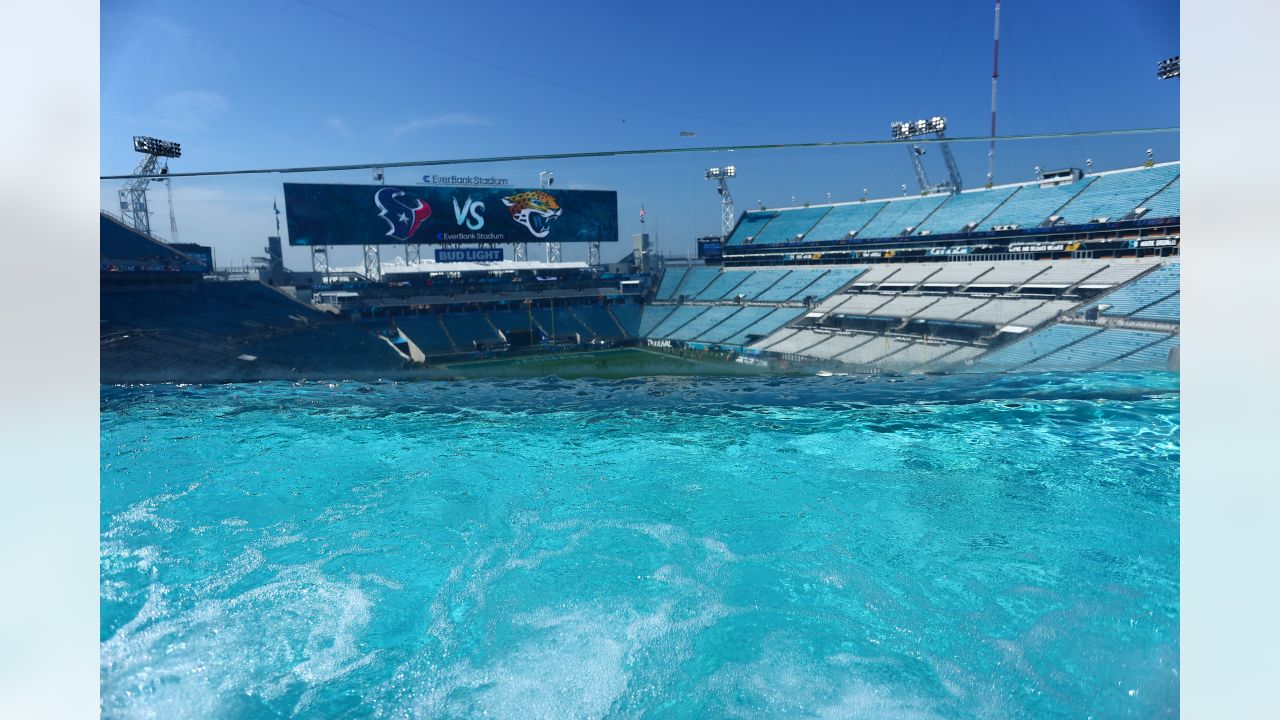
962 209
764 326
1032 347
696 281
671 278
1104 347
722 286
756 282
1031 205
704 322
425 332
750 224
843 219
629 317
788 224
467 329
786 288
829 283
677 319
1147 290
1166 203
740 321
652 316
899 215
1115 195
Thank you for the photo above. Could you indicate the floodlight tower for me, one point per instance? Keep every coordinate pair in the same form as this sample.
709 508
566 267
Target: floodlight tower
1169 68
721 176
133 196
937 127
546 179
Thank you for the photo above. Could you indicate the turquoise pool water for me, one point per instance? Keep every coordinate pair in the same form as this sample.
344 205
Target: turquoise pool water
662 548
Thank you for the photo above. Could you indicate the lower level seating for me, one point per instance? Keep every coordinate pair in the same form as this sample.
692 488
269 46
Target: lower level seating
426 332
1032 346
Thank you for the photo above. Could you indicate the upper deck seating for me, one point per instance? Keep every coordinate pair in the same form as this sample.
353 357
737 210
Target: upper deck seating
956 214
1114 195
899 215
749 226
790 226
842 220
1031 205
1166 203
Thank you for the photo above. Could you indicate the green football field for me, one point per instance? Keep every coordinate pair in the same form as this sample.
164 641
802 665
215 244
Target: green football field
608 364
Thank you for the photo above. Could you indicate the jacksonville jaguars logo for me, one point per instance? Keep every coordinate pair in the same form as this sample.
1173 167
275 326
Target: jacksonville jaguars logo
535 210
403 218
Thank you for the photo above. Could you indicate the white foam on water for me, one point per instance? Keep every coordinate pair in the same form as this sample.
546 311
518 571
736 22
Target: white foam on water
572 668
573 662
585 658
784 682
241 566
143 512
210 656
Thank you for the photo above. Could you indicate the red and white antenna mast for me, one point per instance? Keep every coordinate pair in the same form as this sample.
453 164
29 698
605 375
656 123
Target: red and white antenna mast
995 76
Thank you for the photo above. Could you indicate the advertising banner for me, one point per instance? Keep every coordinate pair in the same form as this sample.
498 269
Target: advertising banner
448 255
320 214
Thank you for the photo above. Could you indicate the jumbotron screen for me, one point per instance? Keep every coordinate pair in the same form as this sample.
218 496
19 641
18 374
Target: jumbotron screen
320 214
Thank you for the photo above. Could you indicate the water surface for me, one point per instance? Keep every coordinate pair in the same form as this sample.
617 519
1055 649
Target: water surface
723 547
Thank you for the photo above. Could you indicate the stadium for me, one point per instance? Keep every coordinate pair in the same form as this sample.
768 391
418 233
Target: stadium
454 442
1066 272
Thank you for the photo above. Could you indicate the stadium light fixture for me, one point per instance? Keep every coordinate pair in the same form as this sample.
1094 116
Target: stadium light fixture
154 146
907 130
1169 67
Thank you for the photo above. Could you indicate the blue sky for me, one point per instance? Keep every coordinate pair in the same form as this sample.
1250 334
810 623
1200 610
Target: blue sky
293 82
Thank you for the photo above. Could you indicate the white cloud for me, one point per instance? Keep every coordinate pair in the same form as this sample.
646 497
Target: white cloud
444 120
188 110
337 125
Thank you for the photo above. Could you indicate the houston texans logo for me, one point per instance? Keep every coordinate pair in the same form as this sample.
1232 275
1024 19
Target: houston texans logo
404 219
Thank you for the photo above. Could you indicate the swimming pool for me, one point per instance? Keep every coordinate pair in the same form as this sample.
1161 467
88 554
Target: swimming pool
696 547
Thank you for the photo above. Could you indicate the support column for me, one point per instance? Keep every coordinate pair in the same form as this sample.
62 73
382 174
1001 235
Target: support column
319 259
372 262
